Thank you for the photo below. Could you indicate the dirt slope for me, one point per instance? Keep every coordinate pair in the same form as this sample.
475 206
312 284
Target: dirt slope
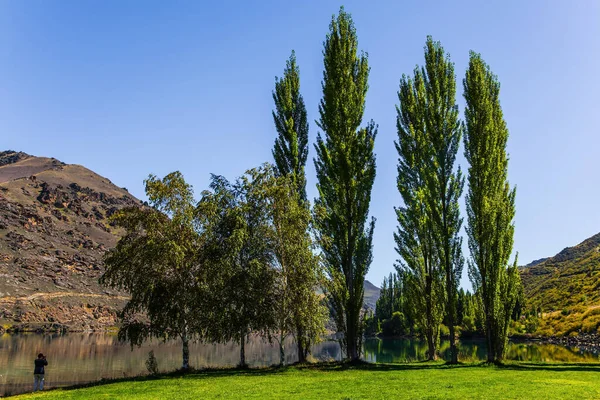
53 233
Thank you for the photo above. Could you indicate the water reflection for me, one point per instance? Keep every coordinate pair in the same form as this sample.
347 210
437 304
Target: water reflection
80 358
408 350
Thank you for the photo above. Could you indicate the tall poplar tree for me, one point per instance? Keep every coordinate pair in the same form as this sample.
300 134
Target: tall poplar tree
445 182
490 204
291 146
428 238
415 238
345 166
300 272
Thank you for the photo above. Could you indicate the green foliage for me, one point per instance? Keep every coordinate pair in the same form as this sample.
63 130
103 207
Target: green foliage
240 241
490 204
428 240
372 325
444 330
299 309
391 296
469 314
392 300
396 325
291 146
157 263
345 166
584 319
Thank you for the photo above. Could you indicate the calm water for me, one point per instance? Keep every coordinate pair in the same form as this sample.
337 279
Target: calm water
80 358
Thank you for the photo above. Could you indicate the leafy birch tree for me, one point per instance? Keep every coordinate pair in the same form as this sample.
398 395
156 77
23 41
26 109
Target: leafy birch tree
299 309
490 204
345 166
157 262
235 220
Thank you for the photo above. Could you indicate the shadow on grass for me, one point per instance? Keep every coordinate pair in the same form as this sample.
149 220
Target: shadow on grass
342 366
542 366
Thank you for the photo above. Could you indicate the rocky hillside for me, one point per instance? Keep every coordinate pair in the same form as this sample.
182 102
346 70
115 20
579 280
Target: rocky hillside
570 278
53 234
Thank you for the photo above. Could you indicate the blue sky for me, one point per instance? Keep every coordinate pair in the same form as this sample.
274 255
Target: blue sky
129 88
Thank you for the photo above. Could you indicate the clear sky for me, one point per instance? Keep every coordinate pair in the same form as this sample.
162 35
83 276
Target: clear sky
128 88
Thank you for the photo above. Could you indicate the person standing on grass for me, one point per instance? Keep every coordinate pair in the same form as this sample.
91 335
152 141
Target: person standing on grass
38 372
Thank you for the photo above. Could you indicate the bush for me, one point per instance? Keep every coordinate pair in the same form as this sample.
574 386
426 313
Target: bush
151 363
395 326
531 325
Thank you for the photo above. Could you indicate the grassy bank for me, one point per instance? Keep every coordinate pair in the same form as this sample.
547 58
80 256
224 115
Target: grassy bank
370 381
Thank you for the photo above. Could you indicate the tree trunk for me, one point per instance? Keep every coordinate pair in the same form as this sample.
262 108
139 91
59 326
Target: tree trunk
451 314
430 331
281 350
453 346
185 352
300 344
491 343
431 345
352 351
243 351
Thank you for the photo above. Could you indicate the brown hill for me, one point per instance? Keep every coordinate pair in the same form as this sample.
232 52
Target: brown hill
53 234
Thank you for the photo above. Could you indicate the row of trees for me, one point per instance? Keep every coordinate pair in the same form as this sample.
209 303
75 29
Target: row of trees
395 311
238 262
242 259
428 238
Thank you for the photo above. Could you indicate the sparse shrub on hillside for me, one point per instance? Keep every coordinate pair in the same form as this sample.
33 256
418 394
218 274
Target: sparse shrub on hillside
531 324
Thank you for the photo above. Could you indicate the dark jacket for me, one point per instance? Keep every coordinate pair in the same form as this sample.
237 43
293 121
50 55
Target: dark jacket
40 363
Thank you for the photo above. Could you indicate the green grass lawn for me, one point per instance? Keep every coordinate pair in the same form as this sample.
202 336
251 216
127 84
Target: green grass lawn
370 381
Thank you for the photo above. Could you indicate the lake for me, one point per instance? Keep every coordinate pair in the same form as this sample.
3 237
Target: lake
79 358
